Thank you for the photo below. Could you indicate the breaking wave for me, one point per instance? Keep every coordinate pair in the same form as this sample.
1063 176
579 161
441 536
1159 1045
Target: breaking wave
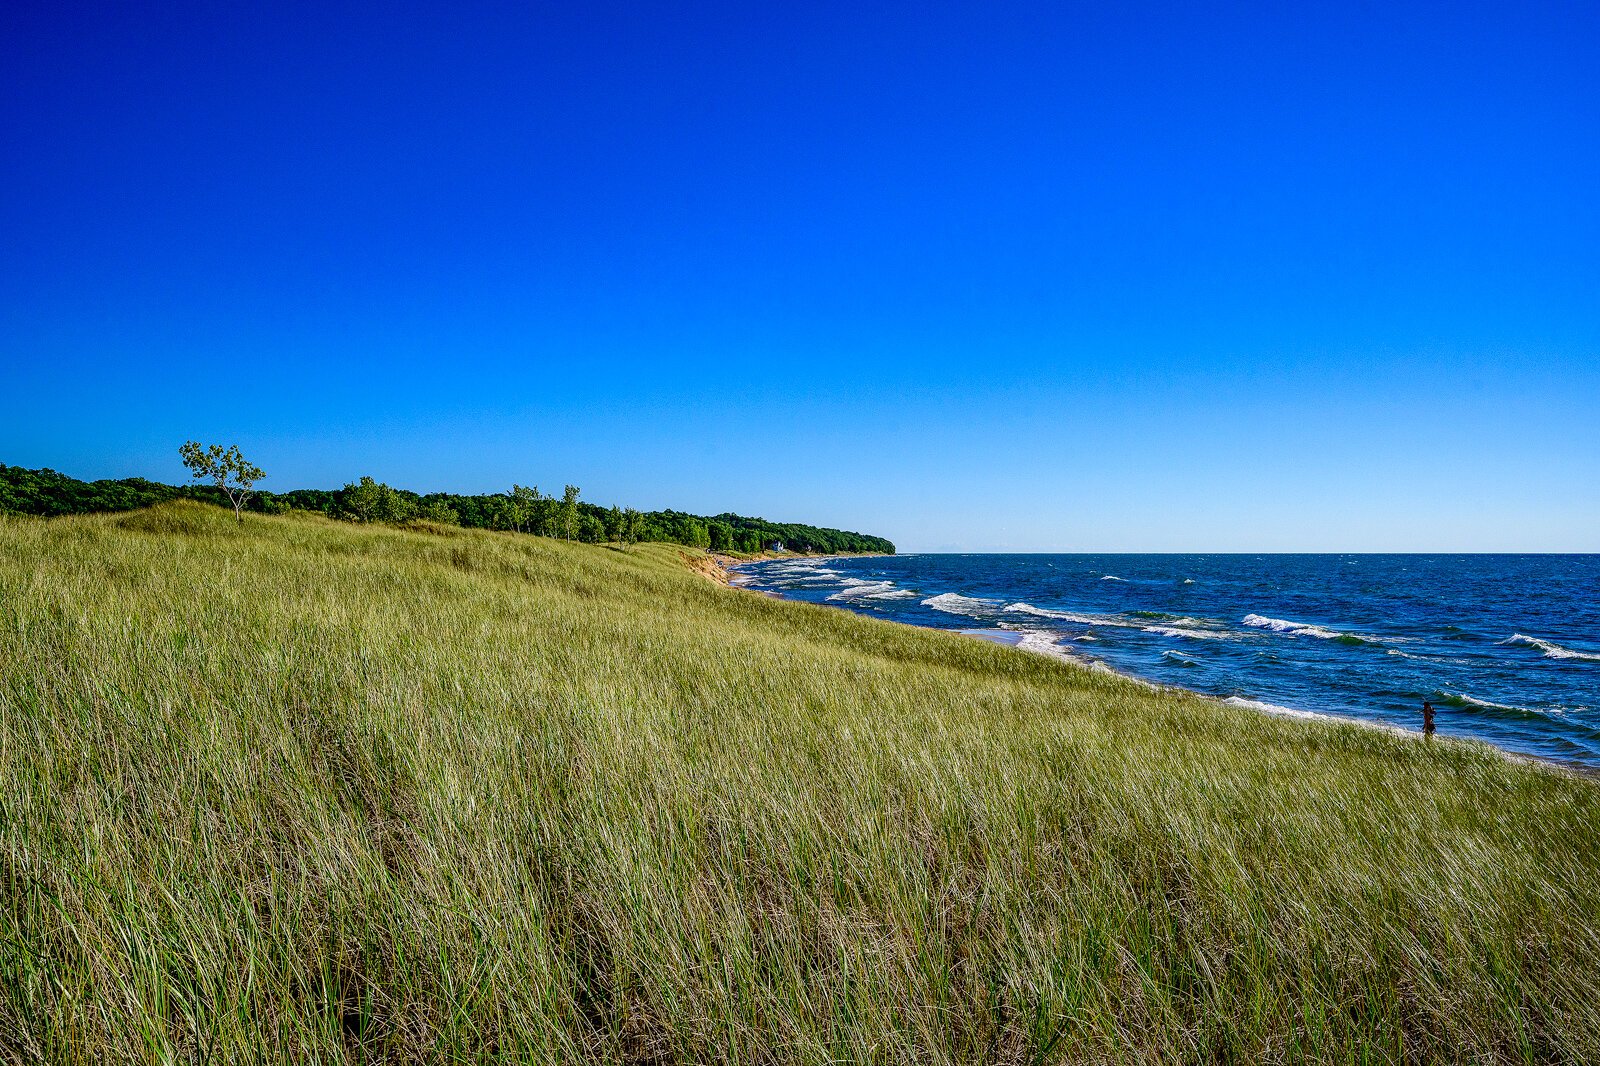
954 603
856 589
1185 632
1461 699
1273 708
1550 649
1302 629
1047 644
800 575
1068 616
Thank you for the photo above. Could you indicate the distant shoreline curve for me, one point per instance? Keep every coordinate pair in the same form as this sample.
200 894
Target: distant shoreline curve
730 568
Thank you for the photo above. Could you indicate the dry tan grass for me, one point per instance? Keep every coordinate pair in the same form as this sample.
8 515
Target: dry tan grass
297 790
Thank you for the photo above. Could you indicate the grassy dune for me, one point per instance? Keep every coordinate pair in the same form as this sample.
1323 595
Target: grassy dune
312 791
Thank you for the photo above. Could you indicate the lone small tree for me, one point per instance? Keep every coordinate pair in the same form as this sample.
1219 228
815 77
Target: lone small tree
224 467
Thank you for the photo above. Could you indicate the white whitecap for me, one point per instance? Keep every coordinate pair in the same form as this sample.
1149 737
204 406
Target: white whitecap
1069 616
857 589
1474 701
1028 608
1273 708
1551 649
1305 629
955 603
1280 625
1045 643
1186 633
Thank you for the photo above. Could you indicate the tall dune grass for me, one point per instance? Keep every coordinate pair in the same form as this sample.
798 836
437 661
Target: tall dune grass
296 790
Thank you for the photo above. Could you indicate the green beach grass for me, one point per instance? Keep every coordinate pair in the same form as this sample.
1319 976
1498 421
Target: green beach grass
300 790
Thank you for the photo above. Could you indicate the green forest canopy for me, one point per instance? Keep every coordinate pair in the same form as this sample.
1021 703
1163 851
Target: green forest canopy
48 493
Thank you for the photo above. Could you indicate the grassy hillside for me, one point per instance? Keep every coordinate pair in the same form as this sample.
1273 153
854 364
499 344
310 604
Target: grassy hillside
300 789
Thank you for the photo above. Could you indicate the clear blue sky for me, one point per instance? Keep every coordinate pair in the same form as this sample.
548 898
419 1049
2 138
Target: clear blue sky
974 277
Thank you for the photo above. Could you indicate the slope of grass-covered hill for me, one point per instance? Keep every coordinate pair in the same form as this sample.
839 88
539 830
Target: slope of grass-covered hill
301 790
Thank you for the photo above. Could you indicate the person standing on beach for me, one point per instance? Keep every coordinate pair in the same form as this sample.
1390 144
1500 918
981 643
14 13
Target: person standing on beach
1427 718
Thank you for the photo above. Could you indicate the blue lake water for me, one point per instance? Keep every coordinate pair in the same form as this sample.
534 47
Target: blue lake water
1507 647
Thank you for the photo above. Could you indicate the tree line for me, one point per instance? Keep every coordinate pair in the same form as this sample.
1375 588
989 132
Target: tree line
523 509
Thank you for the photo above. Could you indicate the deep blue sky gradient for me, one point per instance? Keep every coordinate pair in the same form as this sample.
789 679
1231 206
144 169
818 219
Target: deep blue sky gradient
984 276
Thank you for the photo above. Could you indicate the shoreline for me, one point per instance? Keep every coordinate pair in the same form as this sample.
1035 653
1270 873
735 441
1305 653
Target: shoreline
730 577
724 566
